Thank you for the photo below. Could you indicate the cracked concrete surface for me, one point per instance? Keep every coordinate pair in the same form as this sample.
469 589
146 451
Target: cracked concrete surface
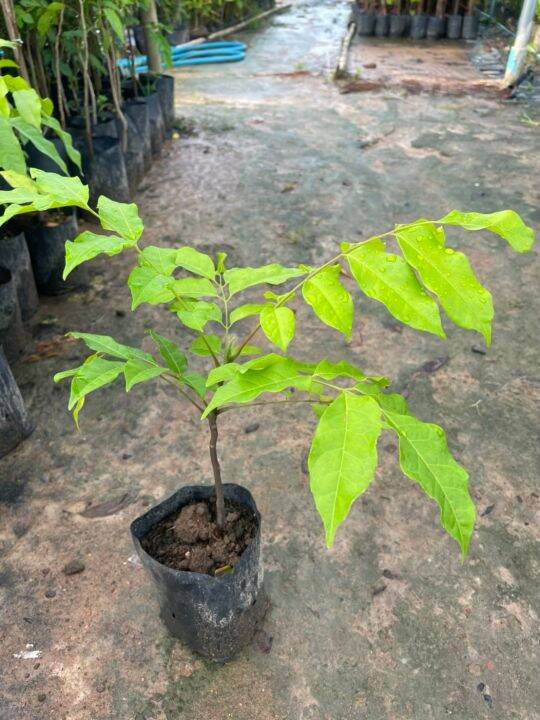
389 625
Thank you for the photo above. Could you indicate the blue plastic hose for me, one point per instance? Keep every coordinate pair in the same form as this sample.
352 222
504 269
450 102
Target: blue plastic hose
206 53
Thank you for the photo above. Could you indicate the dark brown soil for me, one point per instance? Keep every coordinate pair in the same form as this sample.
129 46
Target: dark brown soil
191 540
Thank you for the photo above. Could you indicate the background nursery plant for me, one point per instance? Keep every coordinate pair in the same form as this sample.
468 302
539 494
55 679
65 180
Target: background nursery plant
204 295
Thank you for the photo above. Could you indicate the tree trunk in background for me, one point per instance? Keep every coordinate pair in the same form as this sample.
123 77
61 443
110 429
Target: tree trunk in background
14 35
149 23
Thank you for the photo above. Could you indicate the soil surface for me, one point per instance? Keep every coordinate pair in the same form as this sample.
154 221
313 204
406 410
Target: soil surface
191 539
389 624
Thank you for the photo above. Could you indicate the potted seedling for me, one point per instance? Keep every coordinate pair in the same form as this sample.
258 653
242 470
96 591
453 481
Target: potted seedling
382 21
454 22
418 20
470 22
436 27
365 18
399 19
202 545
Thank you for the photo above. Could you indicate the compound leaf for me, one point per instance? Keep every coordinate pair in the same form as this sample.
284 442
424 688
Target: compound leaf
149 286
505 223
448 274
386 277
108 346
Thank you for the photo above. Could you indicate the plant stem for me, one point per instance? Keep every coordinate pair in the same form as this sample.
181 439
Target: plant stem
220 501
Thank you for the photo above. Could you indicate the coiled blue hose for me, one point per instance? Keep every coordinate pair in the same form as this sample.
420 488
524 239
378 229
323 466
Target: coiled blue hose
208 52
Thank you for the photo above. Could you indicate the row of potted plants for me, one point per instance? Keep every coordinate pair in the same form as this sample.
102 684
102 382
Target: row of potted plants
417 19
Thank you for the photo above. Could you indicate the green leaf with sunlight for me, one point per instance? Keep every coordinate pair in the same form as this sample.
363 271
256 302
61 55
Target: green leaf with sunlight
249 385
32 134
278 324
424 457
329 300
193 288
244 311
11 154
241 278
195 262
343 457
162 260
121 218
93 374
28 105
505 223
387 277
448 274
88 245
108 346
65 190
149 286
73 154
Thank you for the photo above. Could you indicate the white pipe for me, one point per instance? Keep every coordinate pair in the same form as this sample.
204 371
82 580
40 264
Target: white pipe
518 53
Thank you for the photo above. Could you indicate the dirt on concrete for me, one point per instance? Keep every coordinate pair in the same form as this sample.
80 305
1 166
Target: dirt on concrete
389 624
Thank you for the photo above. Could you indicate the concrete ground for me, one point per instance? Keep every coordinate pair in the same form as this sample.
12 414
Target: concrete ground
389 625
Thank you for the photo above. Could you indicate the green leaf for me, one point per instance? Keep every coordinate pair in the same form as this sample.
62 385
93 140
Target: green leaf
328 371
196 314
65 374
195 262
44 146
18 180
222 373
17 196
137 371
11 154
64 190
162 260
447 273
206 345
28 104
249 385
13 210
93 374
108 346
148 286
73 154
343 457
389 279
196 382
220 262
241 278
424 457
115 22
278 324
248 350
88 245
170 352
244 311
193 288
8 63
505 223
331 303
121 218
